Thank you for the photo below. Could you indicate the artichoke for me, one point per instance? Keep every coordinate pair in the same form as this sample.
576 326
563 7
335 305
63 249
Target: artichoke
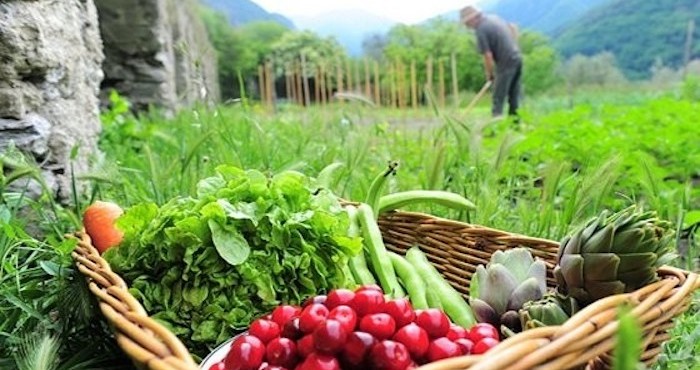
553 309
612 254
500 289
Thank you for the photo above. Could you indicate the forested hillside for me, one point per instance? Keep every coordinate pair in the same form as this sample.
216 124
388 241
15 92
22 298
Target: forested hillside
546 16
637 32
240 12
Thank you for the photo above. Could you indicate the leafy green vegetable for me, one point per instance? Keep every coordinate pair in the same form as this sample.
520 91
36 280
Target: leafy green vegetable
206 266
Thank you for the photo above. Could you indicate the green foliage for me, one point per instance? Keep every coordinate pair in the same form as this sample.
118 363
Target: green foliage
628 348
600 69
539 63
438 38
317 51
691 88
246 243
637 32
240 49
242 12
546 16
48 319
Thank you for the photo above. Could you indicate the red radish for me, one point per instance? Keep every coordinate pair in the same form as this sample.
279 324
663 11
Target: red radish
434 321
380 325
414 338
357 348
389 355
284 313
317 361
312 316
218 366
282 352
246 353
442 348
484 345
400 309
265 330
291 329
483 330
466 345
339 297
315 299
330 336
367 302
369 287
457 332
305 345
345 315
99 221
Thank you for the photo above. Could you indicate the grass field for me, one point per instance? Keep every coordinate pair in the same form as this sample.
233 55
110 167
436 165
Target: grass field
569 158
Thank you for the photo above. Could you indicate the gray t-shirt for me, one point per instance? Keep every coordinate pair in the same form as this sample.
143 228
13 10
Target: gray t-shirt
494 34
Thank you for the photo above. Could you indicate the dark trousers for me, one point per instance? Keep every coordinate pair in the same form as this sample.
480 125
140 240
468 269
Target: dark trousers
507 84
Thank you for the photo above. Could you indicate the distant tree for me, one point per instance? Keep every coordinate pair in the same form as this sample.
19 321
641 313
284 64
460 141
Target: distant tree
437 38
600 69
374 44
317 51
540 62
239 49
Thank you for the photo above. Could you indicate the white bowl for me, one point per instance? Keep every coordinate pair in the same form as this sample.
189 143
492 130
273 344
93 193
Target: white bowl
217 355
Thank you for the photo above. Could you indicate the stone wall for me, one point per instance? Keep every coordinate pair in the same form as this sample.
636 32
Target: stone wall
50 74
157 53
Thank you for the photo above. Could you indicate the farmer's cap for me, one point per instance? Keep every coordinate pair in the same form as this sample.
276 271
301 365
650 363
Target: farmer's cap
469 13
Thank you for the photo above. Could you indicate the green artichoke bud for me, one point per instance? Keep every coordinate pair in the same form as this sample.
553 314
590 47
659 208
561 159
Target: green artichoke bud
553 309
501 288
612 254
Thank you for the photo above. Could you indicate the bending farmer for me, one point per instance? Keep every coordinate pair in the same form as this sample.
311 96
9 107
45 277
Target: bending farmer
497 42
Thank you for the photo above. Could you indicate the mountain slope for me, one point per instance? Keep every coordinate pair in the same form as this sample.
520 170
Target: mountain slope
350 27
546 16
636 31
240 12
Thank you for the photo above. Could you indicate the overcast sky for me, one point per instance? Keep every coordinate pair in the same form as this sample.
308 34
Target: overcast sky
406 11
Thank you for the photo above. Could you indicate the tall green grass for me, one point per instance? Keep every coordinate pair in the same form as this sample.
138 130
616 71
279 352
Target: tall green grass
542 177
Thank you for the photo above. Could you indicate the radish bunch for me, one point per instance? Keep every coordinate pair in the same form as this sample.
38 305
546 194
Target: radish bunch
358 329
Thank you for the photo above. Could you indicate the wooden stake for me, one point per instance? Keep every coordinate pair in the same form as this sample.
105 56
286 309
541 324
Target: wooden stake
298 84
368 87
339 78
261 83
348 73
429 74
400 85
270 76
455 83
305 79
288 83
414 86
377 95
392 74
322 83
441 77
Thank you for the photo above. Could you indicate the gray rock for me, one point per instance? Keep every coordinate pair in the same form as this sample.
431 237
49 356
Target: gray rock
157 53
50 73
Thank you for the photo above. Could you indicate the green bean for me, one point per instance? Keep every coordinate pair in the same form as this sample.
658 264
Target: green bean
358 264
445 198
452 302
379 257
412 282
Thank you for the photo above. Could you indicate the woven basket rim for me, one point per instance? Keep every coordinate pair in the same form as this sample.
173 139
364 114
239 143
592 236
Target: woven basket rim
573 344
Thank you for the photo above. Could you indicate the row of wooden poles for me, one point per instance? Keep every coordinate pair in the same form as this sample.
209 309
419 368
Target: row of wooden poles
362 80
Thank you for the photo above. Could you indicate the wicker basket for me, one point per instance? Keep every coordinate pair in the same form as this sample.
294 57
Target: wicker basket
455 248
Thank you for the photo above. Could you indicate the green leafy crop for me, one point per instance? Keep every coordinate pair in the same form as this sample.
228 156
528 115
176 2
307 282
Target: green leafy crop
205 266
